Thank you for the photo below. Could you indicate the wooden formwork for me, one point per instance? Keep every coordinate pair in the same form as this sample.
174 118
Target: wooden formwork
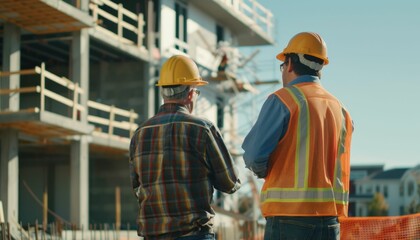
41 17
42 124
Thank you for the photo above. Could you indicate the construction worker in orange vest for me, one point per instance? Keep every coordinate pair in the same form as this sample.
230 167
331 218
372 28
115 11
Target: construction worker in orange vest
300 145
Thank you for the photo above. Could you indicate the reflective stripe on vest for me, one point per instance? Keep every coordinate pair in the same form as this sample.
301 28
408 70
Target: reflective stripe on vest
304 195
302 144
341 147
301 192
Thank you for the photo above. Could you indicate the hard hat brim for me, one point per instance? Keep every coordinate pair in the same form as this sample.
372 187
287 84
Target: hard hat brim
281 56
199 82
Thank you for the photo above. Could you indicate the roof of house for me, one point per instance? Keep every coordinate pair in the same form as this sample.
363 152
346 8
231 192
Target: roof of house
395 173
367 167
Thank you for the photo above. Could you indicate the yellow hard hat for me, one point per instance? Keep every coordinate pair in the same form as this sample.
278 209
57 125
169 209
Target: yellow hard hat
180 70
306 43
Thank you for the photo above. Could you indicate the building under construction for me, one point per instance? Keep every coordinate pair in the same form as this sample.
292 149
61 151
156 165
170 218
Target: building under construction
78 76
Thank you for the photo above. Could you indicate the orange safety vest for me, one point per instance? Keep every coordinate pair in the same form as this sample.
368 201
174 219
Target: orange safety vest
309 170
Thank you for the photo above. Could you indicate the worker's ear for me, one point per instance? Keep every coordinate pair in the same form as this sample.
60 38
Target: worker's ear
289 66
190 94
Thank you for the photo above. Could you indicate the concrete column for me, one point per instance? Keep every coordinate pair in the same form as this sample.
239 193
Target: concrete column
149 73
149 92
79 157
9 174
79 183
80 66
9 162
11 62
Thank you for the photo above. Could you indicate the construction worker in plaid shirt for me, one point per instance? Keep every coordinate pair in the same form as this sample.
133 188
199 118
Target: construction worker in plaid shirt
177 159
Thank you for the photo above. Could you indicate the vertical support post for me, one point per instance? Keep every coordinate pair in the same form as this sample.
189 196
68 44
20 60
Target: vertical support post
79 153
149 108
41 93
120 22
9 158
111 120
9 172
3 232
117 209
45 209
36 229
9 236
95 13
255 12
269 26
131 121
75 101
79 182
1 213
80 67
11 63
140 30
255 205
237 4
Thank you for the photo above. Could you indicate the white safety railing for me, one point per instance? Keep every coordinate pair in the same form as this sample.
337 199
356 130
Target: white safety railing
117 22
120 122
117 119
254 11
181 45
46 77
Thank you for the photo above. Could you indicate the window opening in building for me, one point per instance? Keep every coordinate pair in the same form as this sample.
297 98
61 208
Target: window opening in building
410 188
220 113
220 33
181 27
401 189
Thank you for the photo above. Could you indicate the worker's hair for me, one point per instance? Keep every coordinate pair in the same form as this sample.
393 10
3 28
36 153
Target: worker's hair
175 92
301 69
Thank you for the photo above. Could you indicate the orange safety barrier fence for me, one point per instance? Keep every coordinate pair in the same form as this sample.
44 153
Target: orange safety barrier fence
377 228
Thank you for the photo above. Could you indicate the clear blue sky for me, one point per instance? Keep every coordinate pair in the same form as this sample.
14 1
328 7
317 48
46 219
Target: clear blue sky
374 52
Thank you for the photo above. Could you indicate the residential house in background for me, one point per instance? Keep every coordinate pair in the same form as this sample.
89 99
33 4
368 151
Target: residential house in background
358 172
78 76
400 188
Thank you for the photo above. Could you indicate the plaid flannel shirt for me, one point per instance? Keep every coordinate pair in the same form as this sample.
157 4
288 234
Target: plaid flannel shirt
175 161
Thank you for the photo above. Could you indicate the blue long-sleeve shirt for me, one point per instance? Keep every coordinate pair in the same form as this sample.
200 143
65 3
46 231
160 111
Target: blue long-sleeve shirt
269 129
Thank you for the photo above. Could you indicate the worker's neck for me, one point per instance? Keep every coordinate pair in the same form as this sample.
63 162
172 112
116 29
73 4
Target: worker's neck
182 102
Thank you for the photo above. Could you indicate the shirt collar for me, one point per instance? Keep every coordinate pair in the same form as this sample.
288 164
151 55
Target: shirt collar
173 107
305 79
